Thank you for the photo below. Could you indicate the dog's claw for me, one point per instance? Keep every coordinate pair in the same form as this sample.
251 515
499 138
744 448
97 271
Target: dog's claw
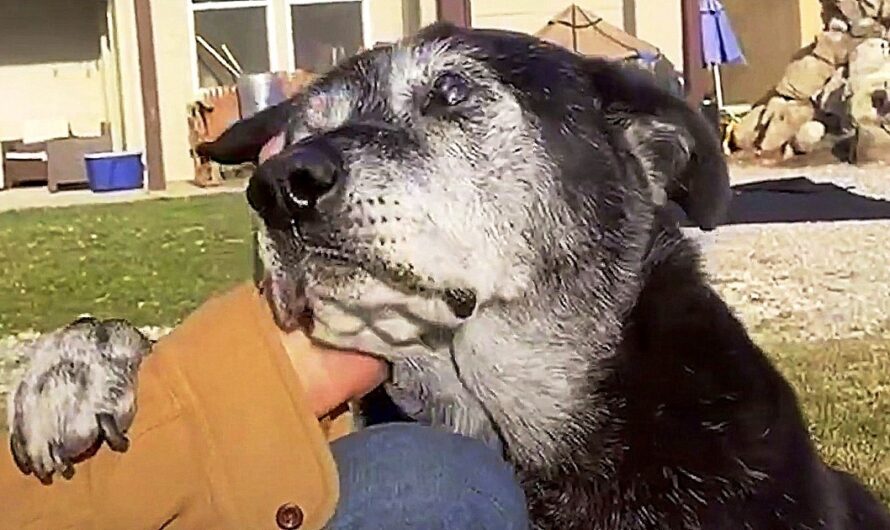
67 471
45 477
61 463
109 430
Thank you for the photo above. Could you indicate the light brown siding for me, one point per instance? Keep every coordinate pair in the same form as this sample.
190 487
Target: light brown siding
770 33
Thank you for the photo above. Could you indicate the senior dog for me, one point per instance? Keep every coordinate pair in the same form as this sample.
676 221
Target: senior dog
485 211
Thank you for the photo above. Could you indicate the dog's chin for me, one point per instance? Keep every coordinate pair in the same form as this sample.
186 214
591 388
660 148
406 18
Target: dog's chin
360 314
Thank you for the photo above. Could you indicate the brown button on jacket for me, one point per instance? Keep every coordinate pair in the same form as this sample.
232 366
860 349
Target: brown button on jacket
223 440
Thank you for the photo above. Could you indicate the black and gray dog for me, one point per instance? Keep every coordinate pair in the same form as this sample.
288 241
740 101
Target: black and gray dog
483 210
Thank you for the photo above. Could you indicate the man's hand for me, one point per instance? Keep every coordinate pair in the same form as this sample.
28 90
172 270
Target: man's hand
332 377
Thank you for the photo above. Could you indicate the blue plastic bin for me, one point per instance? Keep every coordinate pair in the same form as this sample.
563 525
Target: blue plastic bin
114 171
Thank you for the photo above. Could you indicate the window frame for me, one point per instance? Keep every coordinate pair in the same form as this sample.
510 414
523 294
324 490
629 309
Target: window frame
365 6
224 5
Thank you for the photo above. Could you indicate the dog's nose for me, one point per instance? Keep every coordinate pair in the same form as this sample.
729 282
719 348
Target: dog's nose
311 171
294 180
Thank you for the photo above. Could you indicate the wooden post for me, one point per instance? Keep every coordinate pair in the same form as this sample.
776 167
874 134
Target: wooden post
458 12
695 77
154 155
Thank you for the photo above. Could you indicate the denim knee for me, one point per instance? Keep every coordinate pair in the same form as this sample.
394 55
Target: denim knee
410 476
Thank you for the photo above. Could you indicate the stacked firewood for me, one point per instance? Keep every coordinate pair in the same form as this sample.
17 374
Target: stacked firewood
834 94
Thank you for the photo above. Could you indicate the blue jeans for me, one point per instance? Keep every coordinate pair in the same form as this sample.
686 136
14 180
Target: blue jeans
406 476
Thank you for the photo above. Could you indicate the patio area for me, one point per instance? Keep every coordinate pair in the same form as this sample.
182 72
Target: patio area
40 197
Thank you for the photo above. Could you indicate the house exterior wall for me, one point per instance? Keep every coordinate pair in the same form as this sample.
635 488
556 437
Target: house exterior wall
790 25
427 12
659 22
174 65
175 62
83 88
52 76
529 16
126 50
388 21
655 21
770 33
87 75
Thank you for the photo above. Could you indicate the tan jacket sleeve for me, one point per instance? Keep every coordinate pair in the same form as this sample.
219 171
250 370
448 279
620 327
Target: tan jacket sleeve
222 439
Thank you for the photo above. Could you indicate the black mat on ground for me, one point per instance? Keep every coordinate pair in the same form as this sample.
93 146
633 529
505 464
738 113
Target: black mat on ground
799 199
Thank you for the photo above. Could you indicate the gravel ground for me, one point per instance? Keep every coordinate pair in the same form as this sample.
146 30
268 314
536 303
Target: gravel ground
804 281
791 281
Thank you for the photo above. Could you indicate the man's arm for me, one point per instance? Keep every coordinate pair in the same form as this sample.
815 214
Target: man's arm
224 435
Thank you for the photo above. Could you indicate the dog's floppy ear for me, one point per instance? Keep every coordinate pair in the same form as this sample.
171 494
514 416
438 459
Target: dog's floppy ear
244 139
679 148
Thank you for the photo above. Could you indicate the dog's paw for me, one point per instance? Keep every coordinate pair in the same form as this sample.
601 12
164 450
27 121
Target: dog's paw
77 391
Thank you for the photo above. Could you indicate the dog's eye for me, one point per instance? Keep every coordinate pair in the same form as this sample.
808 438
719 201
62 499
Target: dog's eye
448 90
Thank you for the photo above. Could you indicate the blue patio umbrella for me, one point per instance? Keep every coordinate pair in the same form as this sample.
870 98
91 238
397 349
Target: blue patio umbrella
719 43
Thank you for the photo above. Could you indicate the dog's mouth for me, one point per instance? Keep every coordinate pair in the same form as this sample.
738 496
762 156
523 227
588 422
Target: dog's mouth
298 299
286 291
290 305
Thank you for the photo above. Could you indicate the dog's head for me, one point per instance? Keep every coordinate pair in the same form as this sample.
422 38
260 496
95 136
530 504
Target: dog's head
422 181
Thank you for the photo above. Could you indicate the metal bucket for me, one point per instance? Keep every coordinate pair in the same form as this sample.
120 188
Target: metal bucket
259 91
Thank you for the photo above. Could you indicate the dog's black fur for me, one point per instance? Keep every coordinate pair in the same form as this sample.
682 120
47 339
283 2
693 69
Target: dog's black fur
702 431
709 434
694 172
679 420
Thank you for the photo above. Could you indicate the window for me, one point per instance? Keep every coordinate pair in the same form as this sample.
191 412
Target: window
325 32
232 37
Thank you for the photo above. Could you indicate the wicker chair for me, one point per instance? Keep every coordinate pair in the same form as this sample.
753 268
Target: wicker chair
65 156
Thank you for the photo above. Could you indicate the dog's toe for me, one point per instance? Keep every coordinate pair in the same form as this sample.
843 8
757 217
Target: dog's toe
111 432
19 454
61 463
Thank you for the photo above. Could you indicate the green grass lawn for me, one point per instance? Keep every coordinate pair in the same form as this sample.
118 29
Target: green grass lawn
151 262
844 386
154 261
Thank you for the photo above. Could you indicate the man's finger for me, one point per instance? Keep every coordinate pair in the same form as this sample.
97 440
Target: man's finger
359 372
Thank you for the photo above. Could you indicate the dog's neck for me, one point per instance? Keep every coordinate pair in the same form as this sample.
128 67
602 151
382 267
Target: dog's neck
554 343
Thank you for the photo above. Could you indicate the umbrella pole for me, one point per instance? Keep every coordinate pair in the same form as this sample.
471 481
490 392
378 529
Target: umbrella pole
574 32
718 86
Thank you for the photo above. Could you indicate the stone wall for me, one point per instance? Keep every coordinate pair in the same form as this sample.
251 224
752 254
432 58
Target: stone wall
835 94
